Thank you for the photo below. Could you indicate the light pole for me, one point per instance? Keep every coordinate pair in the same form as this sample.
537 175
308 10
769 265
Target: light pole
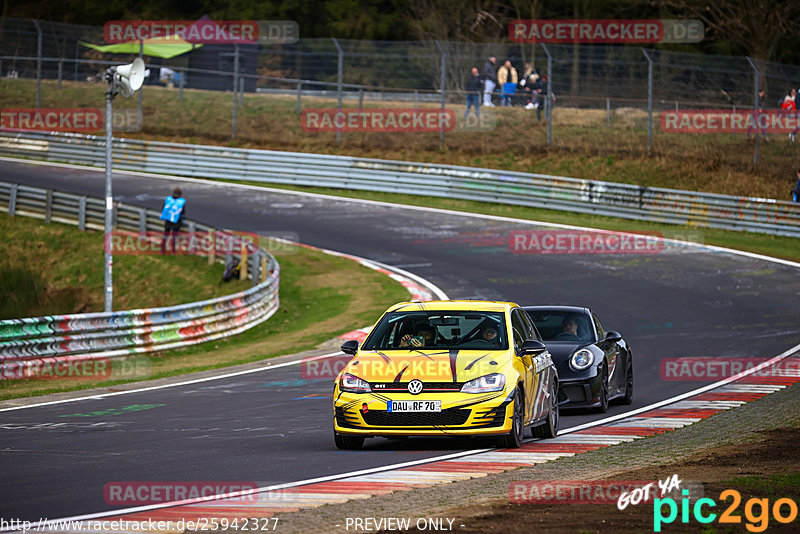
125 79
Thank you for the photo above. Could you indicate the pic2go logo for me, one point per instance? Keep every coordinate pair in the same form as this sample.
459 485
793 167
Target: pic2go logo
756 511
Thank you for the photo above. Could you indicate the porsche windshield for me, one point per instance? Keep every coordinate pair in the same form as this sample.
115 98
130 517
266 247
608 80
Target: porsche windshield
439 330
562 325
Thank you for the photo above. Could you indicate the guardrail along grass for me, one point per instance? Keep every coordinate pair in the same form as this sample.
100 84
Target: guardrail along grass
55 269
322 296
583 146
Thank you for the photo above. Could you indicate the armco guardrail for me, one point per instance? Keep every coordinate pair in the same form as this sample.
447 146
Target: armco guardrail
535 190
58 338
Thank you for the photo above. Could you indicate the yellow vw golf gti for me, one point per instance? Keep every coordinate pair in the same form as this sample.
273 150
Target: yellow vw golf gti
447 368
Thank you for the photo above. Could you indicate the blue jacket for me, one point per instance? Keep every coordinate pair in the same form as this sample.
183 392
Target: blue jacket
173 209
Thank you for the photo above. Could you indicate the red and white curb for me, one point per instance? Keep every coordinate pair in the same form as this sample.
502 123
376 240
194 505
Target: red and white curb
657 419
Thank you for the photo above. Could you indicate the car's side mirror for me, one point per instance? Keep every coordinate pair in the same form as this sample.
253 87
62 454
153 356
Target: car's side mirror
613 336
350 347
531 346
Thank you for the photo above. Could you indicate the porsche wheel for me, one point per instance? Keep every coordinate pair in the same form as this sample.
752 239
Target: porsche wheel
603 407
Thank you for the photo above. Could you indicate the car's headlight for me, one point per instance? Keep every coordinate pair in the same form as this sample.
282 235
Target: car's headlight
581 360
353 384
484 384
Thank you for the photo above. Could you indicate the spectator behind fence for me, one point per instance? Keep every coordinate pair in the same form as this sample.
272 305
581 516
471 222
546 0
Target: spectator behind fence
530 88
789 107
172 214
507 80
796 190
761 107
489 80
473 88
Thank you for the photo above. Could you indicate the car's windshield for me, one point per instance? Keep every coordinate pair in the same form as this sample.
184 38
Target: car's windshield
413 330
562 325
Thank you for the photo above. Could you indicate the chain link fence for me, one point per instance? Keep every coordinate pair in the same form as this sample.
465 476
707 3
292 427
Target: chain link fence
597 97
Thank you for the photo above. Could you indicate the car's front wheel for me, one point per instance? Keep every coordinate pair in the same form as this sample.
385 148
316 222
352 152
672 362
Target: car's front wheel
513 440
550 427
603 406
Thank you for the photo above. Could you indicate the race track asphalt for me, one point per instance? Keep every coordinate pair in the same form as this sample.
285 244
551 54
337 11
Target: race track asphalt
274 426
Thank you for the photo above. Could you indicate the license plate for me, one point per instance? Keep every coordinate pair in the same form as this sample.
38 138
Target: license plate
414 406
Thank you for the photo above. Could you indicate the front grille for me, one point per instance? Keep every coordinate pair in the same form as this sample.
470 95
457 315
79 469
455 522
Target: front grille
575 392
428 386
443 418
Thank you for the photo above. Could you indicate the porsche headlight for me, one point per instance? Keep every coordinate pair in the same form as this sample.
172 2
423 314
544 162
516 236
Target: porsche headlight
353 384
581 360
485 384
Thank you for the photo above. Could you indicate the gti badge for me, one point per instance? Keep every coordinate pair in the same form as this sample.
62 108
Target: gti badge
415 387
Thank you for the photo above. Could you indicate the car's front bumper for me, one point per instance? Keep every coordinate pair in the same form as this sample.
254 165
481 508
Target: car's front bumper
579 393
462 414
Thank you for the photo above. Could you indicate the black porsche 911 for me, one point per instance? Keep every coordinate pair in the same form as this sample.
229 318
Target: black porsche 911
594 366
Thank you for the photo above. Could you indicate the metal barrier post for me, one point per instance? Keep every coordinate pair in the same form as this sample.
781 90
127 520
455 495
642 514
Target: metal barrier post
360 98
549 98
213 251
256 267
243 262
48 207
608 112
141 89
755 109
299 89
108 280
180 84
241 91
142 221
12 200
60 69
235 84
444 96
649 100
339 75
82 213
38 63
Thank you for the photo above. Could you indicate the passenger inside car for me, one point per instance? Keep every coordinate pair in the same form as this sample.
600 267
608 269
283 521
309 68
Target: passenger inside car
423 336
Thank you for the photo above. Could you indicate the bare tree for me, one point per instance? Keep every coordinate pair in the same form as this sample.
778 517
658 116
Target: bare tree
756 25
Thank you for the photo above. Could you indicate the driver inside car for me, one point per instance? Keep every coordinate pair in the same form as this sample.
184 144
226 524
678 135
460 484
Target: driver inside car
489 333
569 327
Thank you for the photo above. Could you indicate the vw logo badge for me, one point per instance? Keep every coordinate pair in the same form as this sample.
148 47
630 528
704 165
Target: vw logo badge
415 387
